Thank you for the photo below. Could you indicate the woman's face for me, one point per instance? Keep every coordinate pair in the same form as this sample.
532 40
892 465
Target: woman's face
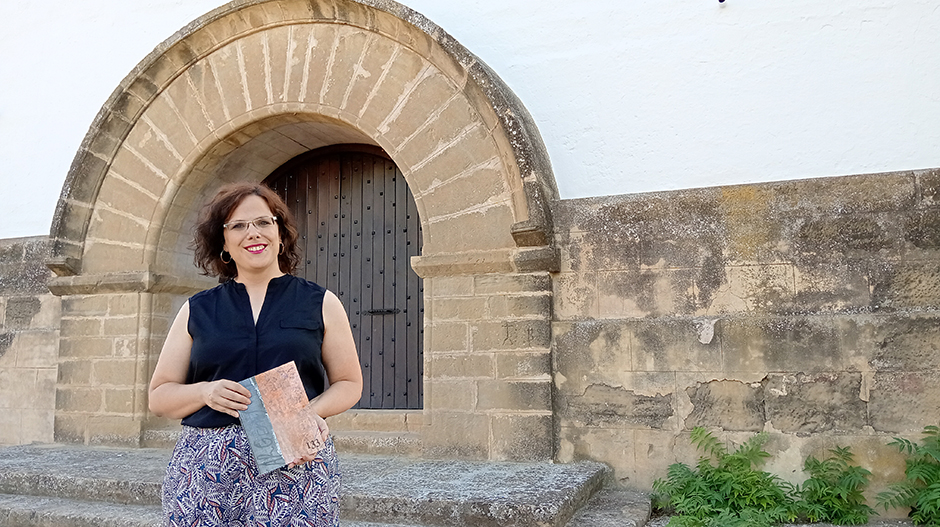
254 248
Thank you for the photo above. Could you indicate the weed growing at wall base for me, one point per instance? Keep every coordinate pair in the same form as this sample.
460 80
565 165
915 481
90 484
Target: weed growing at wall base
833 492
920 489
733 492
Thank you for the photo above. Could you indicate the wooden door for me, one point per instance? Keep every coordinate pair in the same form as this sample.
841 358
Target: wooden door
359 229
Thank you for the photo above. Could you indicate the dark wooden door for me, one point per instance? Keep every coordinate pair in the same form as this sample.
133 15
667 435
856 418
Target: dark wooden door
359 229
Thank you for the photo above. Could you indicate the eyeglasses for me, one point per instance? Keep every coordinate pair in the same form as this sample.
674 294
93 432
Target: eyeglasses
262 223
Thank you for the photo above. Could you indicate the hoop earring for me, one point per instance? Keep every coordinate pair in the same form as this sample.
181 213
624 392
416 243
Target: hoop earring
222 257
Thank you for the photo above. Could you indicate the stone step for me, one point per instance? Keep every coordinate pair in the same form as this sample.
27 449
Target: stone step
122 476
457 493
42 511
613 507
377 489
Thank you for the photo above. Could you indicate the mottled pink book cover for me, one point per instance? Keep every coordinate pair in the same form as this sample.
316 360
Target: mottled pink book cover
277 423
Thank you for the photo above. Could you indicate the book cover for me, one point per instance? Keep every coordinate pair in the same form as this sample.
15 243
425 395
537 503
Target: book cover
278 427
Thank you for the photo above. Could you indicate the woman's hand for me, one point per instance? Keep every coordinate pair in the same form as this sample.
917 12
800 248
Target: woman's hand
323 431
226 396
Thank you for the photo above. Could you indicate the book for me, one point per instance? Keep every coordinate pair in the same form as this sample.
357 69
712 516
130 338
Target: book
279 427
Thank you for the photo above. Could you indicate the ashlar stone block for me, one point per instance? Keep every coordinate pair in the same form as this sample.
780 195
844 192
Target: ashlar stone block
459 308
320 46
367 73
646 293
449 336
522 437
79 399
603 406
81 346
457 435
400 74
764 288
118 193
834 288
515 395
613 446
451 395
590 352
187 101
904 402
471 230
817 403
474 185
226 71
345 60
36 426
664 344
74 372
776 343
10 426
117 227
119 401
255 68
431 96
575 296
523 365
730 404
907 285
37 349
115 372
463 366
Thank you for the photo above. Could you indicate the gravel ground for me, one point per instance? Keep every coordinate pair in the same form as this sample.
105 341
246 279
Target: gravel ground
661 521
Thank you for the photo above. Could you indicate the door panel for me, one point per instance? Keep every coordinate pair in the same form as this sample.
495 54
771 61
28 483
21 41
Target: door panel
359 229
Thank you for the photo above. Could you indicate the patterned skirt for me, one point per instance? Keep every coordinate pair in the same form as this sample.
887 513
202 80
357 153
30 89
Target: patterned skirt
213 481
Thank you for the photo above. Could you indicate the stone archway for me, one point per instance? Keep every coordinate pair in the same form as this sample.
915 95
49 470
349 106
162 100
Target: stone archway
246 88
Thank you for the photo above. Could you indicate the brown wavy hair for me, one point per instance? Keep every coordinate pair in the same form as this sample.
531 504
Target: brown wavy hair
208 237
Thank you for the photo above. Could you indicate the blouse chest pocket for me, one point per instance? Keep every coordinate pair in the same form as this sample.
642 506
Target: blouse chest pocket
298 339
301 323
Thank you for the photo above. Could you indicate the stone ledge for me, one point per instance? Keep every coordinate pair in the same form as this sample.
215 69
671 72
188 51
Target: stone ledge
375 488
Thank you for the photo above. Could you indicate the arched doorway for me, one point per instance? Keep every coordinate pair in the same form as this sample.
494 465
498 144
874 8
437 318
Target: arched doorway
359 228
243 90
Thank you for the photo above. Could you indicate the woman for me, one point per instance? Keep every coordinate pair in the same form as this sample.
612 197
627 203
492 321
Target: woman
259 318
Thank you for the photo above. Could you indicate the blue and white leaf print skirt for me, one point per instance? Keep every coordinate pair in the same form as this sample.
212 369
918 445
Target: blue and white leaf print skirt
212 481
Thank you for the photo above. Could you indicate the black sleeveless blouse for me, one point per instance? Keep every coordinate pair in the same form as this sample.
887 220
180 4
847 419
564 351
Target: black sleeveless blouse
227 344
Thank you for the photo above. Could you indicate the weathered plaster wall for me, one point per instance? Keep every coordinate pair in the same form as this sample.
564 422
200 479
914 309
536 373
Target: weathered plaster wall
29 342
805 308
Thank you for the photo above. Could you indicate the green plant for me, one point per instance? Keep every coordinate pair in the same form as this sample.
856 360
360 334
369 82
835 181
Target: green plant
833 492
920 489
729 492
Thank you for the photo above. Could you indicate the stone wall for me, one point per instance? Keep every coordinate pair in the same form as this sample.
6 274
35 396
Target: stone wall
29 342
804 308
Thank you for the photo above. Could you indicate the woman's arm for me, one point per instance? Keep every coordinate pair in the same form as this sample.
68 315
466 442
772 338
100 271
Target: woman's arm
171 397
341 361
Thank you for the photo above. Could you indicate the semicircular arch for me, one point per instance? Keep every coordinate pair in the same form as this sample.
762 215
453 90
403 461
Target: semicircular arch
253 84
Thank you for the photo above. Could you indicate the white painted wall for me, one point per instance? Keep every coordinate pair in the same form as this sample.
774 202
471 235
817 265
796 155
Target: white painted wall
628 96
